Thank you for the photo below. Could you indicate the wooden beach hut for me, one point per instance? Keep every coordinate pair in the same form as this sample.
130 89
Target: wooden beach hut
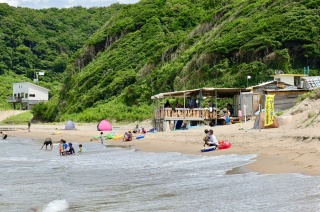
285 94
165 118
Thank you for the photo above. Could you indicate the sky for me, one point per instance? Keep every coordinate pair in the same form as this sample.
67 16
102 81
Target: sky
40 4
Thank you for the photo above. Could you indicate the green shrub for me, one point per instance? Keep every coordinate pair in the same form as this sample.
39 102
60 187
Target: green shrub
315 94
303 97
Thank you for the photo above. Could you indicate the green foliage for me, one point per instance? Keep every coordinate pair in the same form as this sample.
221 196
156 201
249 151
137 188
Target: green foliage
112 111
150 47
45 112
303 97
279 113
315 94
21 118
43 41
185 44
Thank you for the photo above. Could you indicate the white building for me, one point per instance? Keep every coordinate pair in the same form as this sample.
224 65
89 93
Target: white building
291 79
27 94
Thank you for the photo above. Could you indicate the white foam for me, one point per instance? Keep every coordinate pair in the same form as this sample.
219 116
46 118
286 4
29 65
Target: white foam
56 206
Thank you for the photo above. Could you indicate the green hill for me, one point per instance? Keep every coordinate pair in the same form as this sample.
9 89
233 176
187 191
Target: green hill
159 46
43 41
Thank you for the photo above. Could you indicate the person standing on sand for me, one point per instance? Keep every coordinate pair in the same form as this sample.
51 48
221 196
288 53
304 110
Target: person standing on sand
29 126
102 138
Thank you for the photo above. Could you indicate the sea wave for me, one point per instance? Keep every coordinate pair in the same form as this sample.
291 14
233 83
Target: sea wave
56 206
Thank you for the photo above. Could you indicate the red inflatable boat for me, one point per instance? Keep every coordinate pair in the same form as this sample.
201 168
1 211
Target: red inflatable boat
224 144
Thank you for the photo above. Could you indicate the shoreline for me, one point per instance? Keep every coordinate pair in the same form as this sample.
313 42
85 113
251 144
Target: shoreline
278 150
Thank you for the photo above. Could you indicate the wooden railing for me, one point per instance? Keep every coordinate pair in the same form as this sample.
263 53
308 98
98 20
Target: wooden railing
184 113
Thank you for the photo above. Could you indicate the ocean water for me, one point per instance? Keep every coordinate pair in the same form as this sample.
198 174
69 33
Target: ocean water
126 179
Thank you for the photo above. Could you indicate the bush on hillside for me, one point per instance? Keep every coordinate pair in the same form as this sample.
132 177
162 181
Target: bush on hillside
315 94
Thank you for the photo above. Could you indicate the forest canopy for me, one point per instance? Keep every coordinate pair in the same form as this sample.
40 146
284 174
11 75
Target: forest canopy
157 46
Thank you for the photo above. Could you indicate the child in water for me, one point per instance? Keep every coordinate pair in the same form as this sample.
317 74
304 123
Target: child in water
102 138
71 149
81 149
61 148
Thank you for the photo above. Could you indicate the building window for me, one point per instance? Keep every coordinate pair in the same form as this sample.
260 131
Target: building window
15 95
22 95
32 95
25 95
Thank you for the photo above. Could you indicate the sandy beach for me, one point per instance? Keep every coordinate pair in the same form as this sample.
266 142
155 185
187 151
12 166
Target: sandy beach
294 147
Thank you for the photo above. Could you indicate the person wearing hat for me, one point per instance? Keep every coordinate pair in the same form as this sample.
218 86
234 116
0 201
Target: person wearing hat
211 140
127 136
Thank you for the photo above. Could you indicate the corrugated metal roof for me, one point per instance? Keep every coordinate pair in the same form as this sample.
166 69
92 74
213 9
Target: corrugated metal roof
311 82
32 85
295 75
221 92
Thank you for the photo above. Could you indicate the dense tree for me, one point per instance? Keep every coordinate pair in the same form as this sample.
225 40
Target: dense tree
44 40
159 46
111 60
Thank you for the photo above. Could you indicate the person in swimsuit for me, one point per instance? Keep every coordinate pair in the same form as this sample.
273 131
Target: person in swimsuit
47 142
81 149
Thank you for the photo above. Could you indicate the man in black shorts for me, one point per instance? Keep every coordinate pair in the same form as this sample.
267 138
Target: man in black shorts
47 142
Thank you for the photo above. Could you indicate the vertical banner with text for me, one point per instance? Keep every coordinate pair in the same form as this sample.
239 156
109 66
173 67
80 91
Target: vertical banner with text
269 110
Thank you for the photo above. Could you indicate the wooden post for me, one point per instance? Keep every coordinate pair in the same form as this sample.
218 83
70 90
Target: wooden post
216 106
259 117
184 105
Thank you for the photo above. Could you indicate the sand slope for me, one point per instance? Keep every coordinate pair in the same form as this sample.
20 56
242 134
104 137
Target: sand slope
7 113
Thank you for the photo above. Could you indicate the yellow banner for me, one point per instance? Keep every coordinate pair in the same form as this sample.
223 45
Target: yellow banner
269 110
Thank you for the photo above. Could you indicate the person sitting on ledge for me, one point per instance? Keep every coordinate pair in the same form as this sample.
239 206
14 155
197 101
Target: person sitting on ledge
167 104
